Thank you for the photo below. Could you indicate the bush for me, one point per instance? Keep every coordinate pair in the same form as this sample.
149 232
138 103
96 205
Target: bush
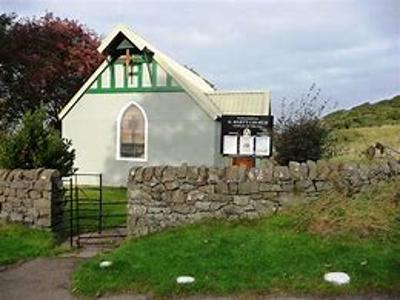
300 134
36 145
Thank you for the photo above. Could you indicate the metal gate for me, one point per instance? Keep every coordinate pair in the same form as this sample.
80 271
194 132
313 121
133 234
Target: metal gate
88 217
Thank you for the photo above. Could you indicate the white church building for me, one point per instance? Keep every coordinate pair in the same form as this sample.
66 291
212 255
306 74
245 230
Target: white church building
141 107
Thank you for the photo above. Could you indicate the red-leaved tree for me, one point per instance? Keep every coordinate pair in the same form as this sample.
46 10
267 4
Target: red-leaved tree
43 62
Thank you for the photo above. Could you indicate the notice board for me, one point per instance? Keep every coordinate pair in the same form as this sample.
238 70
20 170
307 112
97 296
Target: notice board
252 135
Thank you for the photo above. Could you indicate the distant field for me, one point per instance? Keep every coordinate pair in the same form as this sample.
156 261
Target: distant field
384 112
352 142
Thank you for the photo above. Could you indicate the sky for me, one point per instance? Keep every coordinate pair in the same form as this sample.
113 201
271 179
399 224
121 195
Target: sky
349 48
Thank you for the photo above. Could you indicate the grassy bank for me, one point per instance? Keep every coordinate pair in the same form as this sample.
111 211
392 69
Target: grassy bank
352 142
286 253
384 112
19 243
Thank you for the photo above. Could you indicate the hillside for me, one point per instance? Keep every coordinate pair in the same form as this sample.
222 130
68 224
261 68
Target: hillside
351 143
385 112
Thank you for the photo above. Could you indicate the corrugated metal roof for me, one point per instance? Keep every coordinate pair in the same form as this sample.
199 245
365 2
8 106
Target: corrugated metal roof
242 102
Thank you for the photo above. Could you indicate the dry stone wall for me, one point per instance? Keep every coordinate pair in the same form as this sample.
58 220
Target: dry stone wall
31 197
165 196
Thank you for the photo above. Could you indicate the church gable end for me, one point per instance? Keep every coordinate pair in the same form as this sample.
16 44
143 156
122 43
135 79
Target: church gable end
131 70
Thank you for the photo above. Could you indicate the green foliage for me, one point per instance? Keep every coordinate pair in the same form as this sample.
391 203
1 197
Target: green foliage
300 141
19 243
384 112
36 145
300 134
271 255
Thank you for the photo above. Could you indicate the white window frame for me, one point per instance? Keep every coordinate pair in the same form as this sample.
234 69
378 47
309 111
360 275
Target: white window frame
118 147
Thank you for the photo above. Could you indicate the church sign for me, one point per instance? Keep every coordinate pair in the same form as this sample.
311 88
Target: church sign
246 135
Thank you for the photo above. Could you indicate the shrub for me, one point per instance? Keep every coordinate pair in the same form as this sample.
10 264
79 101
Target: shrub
300 134
34 144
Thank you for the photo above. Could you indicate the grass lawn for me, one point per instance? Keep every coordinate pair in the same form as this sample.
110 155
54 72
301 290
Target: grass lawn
114 214
19 243
352 142
286 253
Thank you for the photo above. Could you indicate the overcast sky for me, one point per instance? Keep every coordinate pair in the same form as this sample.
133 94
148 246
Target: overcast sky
350 49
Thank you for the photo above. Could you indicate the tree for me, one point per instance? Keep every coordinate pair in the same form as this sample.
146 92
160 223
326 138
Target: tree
35 144
5 22
43 62
299 133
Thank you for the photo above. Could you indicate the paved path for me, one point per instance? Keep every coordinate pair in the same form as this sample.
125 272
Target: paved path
48 279
42 278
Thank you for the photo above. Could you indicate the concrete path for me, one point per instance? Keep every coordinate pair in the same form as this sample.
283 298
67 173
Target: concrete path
42 278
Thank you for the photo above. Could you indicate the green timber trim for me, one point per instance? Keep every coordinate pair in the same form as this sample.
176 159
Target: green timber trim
140 75
154 76
160 89
169 80
136 59
141 64
112 76
125 68
99 79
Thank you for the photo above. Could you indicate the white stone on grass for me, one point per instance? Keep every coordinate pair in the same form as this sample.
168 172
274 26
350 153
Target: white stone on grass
105 264
185 279
337 278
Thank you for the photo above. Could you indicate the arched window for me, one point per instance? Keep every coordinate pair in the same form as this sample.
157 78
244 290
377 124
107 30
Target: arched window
132 133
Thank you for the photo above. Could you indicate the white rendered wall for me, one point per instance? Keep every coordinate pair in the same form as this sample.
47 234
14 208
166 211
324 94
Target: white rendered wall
178 131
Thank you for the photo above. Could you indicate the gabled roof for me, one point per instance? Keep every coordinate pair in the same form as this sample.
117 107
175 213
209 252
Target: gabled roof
213 103
82 90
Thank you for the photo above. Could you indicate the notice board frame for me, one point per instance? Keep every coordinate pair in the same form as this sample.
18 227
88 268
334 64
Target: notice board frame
259 125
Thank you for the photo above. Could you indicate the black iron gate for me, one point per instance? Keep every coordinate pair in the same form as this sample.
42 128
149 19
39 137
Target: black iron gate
88 217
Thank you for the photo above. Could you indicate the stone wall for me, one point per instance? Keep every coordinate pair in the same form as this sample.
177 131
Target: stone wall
161 197
31 197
